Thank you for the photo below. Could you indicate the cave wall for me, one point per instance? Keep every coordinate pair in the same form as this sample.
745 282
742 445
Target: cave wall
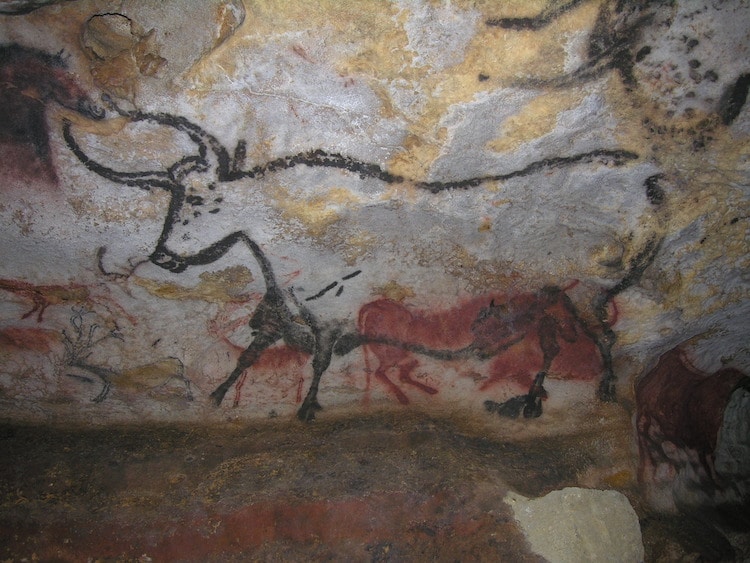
410 204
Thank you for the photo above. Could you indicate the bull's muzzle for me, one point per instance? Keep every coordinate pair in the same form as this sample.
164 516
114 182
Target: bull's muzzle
90 109
168 261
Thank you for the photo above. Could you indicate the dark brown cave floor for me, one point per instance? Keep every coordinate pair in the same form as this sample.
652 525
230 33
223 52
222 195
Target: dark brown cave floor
380 487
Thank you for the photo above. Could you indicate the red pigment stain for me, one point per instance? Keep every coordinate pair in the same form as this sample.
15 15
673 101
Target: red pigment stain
505 328
206 534
679 404
33 339
276 360
29 81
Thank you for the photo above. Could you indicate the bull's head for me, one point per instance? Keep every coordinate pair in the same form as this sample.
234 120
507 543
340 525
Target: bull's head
191 183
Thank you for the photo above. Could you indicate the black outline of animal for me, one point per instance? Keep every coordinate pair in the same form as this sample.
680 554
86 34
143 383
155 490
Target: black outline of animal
280 316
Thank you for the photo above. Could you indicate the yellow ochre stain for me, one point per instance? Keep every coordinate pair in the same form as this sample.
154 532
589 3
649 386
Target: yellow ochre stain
222 286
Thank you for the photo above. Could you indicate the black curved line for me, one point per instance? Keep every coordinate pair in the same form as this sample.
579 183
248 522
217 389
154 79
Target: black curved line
371 170
323 159
535 23
144 180
617 157
352 275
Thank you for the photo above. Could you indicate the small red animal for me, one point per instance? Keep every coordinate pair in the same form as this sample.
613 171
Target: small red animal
43 296
681 407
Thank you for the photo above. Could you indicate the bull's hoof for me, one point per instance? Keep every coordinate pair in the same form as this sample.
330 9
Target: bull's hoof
509 409
306 412
532 407
217 396
608 392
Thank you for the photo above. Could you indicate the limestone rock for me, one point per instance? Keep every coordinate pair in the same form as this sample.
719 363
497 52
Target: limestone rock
575 524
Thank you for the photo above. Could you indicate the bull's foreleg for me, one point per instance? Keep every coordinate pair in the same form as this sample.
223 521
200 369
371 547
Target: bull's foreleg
608 338
531 403
262 340
550 349
608 384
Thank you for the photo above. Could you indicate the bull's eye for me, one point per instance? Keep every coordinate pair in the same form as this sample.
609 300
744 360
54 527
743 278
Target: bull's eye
212 187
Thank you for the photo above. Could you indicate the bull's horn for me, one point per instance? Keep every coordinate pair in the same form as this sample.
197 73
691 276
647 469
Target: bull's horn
199 136
144 180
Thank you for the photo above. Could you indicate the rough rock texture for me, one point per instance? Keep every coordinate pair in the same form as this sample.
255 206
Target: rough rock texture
581 166
579 525
507 211
386 487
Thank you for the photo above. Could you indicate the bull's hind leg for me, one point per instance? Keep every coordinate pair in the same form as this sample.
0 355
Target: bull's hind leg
381 374
324 344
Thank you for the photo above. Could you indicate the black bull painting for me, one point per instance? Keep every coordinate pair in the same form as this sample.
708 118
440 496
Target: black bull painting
200 183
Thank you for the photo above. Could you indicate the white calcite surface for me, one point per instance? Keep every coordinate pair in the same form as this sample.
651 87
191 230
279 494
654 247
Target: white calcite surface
573 524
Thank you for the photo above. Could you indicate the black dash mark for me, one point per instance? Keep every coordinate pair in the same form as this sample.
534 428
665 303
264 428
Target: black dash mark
642 53
323 291
654 191
733 99
340 291
352 275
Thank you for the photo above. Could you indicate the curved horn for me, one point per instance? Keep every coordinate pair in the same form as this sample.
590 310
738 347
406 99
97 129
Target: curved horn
143 180
199 136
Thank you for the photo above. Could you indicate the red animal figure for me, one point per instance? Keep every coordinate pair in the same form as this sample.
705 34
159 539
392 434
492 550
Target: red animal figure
30 79
681 407
201 227
43 296
392 332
